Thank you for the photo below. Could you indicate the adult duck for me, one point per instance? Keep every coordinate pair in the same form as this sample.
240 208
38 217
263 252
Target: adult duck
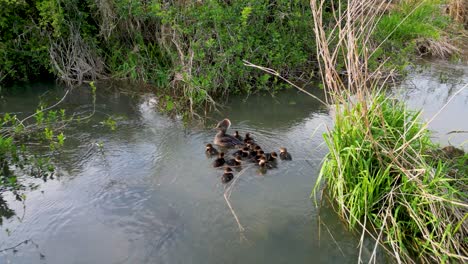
224 140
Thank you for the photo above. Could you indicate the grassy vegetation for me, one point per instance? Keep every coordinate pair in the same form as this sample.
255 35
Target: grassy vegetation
382 176
382 172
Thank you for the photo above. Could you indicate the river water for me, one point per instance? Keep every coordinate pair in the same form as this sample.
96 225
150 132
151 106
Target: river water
146 193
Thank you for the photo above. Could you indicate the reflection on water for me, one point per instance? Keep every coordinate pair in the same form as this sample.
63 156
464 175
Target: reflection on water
437 86
150 195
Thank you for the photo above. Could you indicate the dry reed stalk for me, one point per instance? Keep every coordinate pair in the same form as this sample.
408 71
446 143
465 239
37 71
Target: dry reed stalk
441 48
458 10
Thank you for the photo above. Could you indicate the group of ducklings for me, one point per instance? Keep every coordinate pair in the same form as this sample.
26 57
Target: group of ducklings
247 150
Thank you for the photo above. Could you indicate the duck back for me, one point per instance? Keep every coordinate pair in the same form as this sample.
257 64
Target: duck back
225 140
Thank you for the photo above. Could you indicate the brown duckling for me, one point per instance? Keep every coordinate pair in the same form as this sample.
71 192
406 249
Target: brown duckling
252 153
257 156
250 145
263 163
210 150
219 161
236 135
284 154
243 152
248 139
227 176
271 157
236 161
222 139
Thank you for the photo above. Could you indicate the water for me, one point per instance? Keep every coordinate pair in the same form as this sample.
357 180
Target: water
440 90
150 195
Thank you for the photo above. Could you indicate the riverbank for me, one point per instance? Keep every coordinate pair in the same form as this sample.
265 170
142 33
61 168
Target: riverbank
194 66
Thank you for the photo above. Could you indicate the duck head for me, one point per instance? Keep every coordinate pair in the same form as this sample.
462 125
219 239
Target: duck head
227 170
209 146
283 150
223 125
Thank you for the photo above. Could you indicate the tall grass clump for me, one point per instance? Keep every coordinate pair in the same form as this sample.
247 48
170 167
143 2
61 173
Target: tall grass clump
382 180
380 172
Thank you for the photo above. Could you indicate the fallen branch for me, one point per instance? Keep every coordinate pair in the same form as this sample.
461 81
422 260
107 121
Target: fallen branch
227 195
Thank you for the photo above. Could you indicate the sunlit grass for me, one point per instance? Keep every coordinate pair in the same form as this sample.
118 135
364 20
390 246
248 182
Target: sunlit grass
378 170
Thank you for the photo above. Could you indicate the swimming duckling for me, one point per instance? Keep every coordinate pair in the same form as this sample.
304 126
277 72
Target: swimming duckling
237 152
257 148
210 150
271 157
223 139
227 176
248 139
219 161
252 151
257 156
235 161
264 163
245 152
284 154
236 135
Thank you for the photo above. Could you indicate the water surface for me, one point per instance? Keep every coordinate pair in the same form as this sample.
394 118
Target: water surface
149 194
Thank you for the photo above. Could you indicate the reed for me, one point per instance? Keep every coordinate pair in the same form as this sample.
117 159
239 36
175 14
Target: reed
380 172
458 10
